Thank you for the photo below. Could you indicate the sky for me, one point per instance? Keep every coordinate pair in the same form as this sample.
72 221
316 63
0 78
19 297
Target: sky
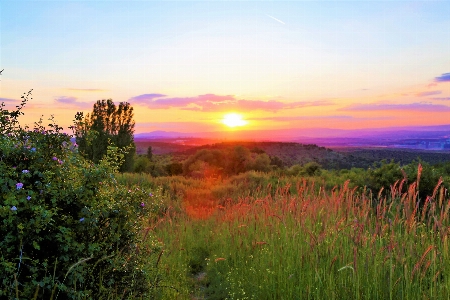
183 65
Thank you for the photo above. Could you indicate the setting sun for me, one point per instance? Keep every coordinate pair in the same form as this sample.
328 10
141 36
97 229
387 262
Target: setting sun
233 120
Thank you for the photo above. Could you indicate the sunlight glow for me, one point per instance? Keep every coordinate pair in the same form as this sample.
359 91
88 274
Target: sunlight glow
233 120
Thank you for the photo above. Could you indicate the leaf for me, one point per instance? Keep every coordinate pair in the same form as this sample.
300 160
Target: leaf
36 246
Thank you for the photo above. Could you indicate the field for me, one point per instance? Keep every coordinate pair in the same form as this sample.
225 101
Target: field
261 237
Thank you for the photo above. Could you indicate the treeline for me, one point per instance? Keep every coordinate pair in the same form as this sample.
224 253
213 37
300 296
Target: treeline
231 161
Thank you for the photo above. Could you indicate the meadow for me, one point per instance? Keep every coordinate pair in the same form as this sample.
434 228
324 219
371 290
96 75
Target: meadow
259 236
234 226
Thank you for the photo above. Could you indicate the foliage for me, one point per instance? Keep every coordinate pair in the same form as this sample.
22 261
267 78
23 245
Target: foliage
68 229
149 153
226 162
107 122
313 244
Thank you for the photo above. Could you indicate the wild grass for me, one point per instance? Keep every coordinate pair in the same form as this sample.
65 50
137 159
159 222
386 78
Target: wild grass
308 244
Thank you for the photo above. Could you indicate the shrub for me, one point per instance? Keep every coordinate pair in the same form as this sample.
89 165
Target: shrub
68 229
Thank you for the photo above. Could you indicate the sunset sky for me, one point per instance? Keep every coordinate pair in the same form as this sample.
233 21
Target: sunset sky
183 65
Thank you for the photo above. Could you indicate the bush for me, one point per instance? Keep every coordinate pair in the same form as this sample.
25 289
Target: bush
68 229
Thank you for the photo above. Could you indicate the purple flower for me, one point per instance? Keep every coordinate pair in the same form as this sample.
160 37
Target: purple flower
19 185
33 149
28 198
13 208
54 158
142 204
150 194
60 161
82 219
25 171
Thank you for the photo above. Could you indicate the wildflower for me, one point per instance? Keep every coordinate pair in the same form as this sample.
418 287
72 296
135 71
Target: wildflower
28 198
142 204
60 161
82 219
25 171
13 208
150 194
75 144
33 149
54 158
19 185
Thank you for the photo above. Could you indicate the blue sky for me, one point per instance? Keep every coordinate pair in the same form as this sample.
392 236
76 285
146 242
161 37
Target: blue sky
351 63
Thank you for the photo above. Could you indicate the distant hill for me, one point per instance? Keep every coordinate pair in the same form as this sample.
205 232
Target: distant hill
296 153
412 137
289 153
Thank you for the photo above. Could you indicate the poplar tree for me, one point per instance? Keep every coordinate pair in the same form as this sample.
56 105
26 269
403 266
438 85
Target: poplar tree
107 123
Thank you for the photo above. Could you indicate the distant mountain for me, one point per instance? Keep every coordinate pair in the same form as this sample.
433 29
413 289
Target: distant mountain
163 134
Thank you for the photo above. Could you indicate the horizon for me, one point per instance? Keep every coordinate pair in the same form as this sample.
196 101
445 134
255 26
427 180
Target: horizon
184 65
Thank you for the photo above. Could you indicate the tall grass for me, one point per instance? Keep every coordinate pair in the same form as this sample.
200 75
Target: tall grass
309 244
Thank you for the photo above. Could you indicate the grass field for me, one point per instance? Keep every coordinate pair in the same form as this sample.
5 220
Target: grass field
296 240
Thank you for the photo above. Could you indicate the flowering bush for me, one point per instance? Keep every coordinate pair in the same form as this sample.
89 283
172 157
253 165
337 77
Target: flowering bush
68 229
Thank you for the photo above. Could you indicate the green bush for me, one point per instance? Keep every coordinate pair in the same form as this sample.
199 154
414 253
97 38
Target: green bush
68 229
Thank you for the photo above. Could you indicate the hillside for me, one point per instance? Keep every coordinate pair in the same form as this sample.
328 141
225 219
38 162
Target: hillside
296 153
289 153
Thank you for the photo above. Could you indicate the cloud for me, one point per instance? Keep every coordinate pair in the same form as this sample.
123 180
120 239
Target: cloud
422 107
301 118
428 93
276 19
300 104
145 98
441 99
84 90
443 78
7 100
73 102
217 103
312 118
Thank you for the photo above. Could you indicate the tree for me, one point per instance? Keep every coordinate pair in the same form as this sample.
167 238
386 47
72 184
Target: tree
149 153
106 124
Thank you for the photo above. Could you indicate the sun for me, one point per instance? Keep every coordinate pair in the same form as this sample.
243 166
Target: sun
233 120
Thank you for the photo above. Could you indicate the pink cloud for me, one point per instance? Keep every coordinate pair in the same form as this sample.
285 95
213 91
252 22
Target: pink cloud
441 99
8 100
422 107
73 102
213 103
300 118
85 90
428 93
316 118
